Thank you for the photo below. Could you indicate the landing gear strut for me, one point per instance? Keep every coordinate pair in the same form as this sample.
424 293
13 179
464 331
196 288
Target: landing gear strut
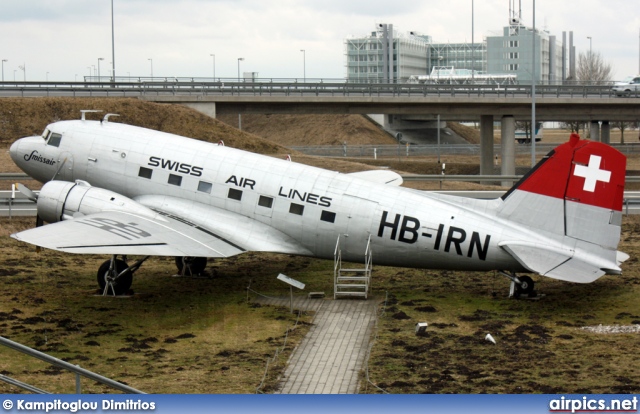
115 275
520 285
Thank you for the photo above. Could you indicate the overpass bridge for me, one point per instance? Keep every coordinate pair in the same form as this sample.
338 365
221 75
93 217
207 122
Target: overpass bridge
485 104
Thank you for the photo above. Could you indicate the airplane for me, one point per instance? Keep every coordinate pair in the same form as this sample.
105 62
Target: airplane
116 189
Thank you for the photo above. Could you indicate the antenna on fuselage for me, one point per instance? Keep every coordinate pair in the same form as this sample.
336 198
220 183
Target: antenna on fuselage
84 111
106 117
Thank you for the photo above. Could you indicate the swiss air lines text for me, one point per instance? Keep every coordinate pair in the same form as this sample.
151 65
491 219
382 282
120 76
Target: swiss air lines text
406 229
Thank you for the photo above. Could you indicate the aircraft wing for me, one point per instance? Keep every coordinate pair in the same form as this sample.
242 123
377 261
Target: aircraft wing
172 233
379 176
116 232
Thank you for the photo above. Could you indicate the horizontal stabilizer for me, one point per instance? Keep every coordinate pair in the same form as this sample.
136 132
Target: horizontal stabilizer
379 176
537 258
558 263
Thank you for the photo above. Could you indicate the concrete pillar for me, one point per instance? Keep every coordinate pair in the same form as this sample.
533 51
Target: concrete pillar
508 145
207 108
486 144
595 131
605 132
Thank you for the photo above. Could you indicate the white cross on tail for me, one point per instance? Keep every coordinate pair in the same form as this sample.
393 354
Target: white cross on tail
592 173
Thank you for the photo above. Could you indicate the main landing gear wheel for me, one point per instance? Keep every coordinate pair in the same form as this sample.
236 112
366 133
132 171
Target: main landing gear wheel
190 266
114 277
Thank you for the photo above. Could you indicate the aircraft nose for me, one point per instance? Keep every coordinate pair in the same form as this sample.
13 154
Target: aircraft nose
13 151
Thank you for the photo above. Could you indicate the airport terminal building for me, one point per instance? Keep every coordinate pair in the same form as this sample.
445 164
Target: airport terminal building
389 56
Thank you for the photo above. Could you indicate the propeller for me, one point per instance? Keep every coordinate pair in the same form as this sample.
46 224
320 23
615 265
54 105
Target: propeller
33 197
27 192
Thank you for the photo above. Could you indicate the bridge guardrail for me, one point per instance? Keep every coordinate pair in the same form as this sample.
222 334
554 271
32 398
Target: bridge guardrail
192 86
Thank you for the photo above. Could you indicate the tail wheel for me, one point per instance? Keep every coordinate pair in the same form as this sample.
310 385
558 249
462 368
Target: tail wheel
118 285
526 285
190 266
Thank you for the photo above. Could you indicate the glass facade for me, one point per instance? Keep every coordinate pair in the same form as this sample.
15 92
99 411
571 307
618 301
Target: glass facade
387 56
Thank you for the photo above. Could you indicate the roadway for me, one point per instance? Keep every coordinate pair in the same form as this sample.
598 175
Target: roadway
452 102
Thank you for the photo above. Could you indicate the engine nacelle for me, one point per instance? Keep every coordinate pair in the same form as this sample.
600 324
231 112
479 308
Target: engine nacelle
62 200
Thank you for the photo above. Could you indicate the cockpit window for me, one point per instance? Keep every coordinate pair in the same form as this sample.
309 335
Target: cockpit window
54 140
45 134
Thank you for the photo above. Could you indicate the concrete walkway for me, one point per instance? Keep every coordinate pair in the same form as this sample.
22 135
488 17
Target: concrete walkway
330 358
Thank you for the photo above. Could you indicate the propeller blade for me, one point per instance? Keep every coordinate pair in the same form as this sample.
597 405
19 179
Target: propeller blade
39 222
28 193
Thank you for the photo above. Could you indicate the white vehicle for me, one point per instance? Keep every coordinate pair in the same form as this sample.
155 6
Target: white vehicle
628 87
524 137
116 189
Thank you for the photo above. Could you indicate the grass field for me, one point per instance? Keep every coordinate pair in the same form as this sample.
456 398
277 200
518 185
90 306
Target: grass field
180 335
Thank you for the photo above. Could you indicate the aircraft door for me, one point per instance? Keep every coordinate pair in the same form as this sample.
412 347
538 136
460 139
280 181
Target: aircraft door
354 240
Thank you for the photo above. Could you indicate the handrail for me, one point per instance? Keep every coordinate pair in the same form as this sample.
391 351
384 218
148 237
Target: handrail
70 367
22 385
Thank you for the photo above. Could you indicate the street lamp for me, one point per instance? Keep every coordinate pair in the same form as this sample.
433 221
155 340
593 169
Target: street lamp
151 60
99 59
533 89
473 60
239 114
113 47
214 66
3 60
239 60
590 61
304 64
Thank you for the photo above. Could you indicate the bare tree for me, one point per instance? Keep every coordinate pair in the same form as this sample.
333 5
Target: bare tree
592 69
622 126
573 126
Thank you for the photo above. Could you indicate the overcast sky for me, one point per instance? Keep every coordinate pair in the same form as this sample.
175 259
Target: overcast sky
66 37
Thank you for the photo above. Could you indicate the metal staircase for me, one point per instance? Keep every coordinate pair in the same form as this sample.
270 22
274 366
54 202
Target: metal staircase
351 281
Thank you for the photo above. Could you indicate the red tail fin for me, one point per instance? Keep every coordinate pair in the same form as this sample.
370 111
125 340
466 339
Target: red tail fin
575 191
580 171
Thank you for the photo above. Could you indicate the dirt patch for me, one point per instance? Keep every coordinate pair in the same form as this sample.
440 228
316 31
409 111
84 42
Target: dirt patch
301 130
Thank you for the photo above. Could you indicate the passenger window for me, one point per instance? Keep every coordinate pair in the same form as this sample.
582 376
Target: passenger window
265 201
234 194
175 179
205 187
54 140
328 216
145 172
296 209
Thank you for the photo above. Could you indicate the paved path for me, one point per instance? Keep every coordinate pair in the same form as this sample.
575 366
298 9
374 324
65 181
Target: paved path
331 356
